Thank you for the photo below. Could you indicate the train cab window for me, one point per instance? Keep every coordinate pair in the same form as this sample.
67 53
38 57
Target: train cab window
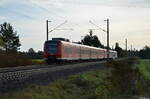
52 47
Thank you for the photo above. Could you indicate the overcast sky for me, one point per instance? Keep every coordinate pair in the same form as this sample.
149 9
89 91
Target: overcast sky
128 19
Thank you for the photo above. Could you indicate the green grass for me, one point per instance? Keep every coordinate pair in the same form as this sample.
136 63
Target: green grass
144 67
14 60
91 85
100 84
38 61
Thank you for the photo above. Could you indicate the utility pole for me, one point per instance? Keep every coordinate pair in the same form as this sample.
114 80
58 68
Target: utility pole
126 44
107 38
107 20
82 39
131 47
47 29
134 52
56 28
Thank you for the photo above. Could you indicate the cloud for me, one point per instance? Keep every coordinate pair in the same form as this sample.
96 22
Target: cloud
120 3
3 18
3 2
127 19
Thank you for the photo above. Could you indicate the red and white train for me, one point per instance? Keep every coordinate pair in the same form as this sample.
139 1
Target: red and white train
62 50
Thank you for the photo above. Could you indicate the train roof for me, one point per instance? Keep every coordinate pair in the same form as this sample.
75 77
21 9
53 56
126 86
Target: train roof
70 43
86 46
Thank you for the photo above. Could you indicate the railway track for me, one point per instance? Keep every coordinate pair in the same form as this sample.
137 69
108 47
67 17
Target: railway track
19 77
21 68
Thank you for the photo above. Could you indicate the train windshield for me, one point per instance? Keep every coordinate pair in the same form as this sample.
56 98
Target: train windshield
52 47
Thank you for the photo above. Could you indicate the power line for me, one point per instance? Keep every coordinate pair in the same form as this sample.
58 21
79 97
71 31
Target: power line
65 29
93 29
57 26
126 44
97 26
47 30
107 31
107 38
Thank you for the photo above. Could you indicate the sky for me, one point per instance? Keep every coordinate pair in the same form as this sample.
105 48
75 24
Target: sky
128 19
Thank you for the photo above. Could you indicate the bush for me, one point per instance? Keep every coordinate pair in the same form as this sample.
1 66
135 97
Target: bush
12 60
126 78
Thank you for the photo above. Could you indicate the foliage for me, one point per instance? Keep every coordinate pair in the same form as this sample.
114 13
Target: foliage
31 50
16 59
145 52
1 41
13 60
123 76
91 85
120 51
9 37
144 68
126 78
38 61
92 40
1 44
31 54
124 53
122 80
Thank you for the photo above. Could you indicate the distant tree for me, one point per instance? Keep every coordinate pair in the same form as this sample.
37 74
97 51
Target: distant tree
119 50
92 40
145 52
96 42
40 54
32 54
79 42
1 42
9 38
31 50
87 40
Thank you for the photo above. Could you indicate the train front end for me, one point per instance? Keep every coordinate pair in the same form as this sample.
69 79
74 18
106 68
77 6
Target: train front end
52 51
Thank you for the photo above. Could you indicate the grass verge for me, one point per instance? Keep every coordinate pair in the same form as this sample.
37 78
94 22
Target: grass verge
121 80
91 85
14 60
38 61
144 67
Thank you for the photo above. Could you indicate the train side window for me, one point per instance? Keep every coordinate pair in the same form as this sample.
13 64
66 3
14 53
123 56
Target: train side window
68 50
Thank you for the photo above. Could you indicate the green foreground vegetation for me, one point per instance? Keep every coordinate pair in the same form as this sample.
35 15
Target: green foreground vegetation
121 80
14 60
144 67
38 61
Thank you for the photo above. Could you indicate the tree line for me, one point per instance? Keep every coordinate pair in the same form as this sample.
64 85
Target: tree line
9 40
10 43
92 40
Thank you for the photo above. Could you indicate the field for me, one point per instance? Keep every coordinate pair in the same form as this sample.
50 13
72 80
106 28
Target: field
14 60
38 61
119 80
90 85
144 67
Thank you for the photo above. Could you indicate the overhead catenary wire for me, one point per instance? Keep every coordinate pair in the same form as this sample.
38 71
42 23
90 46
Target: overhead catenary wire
106 31
97 26
57 26
65 29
